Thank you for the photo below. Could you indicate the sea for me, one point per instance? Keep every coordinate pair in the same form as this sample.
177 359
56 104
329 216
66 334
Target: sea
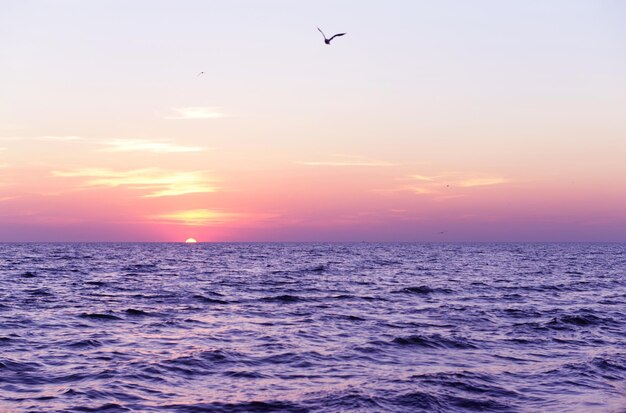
312 327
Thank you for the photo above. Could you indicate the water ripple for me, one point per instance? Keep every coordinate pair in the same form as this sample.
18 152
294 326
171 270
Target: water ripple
313 327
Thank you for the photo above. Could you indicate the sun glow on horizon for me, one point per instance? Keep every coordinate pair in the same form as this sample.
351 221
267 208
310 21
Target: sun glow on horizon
190 241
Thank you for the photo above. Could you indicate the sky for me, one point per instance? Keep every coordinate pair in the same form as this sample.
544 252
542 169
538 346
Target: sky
429 121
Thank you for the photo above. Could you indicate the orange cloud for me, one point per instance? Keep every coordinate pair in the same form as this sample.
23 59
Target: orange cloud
196 217
136 145
156 182
423 178
469 183
421 191
201 217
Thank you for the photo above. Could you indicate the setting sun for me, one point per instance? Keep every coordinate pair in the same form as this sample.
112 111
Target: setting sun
190 241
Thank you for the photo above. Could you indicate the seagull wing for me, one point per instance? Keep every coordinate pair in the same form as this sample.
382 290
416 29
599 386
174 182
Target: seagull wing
320 30
337 35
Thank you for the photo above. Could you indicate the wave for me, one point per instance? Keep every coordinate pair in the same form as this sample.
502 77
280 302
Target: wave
284 298
315 269
580 320
243 407
96 283
414 400
209 300
422 289
99 316
18 366
346 400
139 313
435 341
6 341
106 408
88 343
42 292
202 363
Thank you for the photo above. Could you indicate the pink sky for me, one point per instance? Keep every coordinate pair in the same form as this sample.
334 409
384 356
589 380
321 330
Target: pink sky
496 122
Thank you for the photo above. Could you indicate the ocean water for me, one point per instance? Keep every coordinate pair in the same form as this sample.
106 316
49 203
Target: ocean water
313 327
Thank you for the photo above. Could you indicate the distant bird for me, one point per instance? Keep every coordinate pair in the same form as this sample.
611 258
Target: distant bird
201 73
327 41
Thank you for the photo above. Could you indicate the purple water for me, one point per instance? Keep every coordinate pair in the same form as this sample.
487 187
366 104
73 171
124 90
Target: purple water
313 327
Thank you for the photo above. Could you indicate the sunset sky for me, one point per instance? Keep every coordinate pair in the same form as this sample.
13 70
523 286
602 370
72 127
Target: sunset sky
429 121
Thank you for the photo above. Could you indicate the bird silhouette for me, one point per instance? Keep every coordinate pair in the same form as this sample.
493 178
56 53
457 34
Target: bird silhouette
327 41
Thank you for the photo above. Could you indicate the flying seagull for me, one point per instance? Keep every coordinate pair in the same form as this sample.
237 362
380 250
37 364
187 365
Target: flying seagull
327 41
201 73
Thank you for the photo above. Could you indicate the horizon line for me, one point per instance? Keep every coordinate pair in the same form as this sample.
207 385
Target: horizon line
316 242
